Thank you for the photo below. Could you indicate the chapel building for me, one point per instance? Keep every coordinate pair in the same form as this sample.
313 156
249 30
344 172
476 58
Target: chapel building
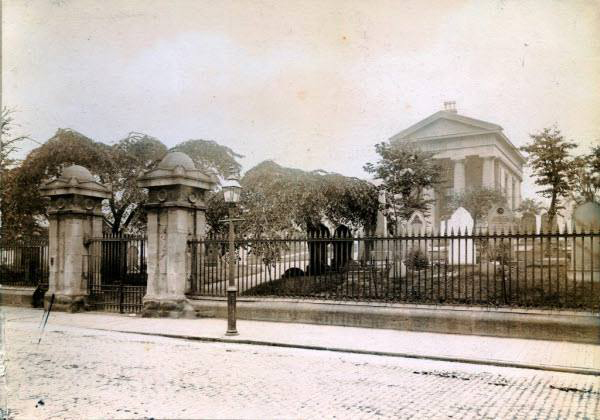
473 153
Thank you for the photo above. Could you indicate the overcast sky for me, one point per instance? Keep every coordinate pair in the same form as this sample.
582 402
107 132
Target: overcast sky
310 84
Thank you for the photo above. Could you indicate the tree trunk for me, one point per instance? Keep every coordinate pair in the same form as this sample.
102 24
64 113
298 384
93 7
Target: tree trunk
552 210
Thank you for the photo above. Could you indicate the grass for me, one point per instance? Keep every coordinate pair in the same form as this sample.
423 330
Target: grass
488 285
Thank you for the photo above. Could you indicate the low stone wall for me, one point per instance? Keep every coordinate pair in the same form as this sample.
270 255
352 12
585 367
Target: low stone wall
16 296
581 327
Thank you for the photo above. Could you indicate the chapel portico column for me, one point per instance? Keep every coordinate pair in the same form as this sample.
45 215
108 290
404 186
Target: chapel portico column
517 193
509 192
459 175
488 174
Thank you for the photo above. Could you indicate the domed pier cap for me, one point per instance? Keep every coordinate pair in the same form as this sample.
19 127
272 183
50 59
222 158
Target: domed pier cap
81 173
175 159
177 169
78 180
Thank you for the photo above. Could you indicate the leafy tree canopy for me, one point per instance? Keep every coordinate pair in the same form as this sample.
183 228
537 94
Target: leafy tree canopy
406 172
210 156
552 166
278 201
9 143
586 177
477 201
119 164
529 205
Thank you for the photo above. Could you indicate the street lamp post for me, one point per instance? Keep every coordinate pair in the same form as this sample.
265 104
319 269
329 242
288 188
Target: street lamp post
231 191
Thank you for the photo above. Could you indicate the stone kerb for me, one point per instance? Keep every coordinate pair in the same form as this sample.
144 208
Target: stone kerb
176 211
585 253
75 213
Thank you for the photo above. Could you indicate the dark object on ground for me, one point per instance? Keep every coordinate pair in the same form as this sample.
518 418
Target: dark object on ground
37 300
293 272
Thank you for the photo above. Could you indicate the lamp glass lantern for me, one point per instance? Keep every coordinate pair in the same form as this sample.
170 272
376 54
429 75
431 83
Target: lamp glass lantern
232 189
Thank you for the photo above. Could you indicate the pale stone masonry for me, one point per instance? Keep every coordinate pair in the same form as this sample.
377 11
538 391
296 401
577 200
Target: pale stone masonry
75 214
474 153
176 212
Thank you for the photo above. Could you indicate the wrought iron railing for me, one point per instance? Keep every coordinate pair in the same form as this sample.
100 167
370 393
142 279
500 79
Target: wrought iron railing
547 270
115 271
24 262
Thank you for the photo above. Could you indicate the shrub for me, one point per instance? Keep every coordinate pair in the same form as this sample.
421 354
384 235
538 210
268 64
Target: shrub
416 259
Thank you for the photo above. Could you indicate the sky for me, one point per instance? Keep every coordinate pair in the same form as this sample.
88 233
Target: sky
309 84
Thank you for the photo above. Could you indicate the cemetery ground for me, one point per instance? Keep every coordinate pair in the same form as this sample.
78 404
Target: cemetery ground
511 271
79 371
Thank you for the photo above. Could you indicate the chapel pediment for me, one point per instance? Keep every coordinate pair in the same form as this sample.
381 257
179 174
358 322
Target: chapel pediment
446 124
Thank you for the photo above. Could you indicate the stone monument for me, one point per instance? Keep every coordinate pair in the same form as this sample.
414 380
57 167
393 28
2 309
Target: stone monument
74 213
461 250
501 219
585 254
176 211
527 223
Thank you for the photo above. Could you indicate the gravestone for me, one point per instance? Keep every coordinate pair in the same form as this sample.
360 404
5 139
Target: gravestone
416 223
500 219
417 227
527 223
545 223
461 250
585 254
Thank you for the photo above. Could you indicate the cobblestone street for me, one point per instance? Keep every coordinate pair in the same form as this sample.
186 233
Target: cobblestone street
84 373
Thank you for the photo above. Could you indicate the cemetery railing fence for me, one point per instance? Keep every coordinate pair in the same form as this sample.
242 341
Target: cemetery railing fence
545 270
24 262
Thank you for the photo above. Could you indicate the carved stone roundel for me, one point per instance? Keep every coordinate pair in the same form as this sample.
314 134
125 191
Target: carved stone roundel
162 195
88 204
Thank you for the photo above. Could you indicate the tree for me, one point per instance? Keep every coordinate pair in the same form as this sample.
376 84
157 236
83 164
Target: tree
21 195
307 198
477 201
586 177
210 156
128 160
9 144
552 166
406 172
278 202
119 165
529 205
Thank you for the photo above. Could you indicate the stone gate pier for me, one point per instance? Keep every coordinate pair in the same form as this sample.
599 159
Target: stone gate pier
75 213
176 211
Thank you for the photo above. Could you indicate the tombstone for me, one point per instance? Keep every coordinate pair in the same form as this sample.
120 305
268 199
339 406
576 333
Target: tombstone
545 223
342 247
416 223
381 224
317 249
500 219
417 227
585 253
461 249
527 223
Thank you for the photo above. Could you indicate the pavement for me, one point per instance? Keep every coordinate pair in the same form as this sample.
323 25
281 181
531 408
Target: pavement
494 351
81 366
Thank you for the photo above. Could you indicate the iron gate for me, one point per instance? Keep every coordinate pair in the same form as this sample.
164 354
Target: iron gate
116 273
